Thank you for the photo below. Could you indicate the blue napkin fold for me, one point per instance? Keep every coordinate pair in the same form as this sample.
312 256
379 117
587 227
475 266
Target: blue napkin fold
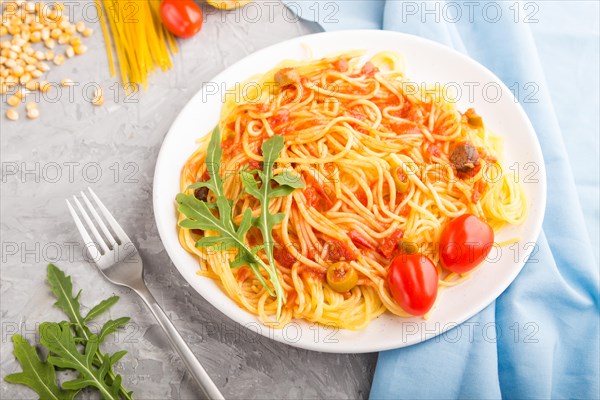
540 338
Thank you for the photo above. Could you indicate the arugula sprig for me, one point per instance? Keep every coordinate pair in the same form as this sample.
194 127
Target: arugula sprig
287 183
62 340
37 374
200 214
62 287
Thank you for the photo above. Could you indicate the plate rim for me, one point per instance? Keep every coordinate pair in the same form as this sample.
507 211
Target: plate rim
365 347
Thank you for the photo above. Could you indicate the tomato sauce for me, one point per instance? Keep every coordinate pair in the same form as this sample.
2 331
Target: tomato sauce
360 241
283 256
389 245
341 65
338 251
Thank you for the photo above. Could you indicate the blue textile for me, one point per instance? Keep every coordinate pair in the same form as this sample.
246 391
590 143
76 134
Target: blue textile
540 338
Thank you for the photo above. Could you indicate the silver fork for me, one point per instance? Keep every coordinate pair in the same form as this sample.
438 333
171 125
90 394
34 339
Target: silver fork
119 261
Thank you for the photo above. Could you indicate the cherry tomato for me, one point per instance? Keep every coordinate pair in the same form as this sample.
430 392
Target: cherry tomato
413 281
465 242
182 18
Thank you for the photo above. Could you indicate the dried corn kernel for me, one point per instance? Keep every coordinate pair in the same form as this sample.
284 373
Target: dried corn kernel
98 101
13 101
81 49
33 113
25 78
59 59
75 41
44 86
12 114
17 71
63 39
32 85
20 93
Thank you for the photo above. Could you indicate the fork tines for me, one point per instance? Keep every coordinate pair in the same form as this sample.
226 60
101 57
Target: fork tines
105 242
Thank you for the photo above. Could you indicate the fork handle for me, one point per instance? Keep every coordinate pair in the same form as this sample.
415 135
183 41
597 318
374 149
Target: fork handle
208 387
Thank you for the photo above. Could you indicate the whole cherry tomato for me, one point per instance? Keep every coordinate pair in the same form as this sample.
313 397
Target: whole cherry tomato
465 242
182 18
413 281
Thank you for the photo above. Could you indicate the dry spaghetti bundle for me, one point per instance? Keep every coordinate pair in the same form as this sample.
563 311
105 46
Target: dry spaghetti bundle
141 42
376 159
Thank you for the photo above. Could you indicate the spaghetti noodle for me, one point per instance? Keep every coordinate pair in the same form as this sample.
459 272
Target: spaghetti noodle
375 155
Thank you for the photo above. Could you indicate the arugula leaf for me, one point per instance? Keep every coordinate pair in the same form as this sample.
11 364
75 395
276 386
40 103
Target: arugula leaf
111 326
59 340
101 307
38 375
271 150
116 357
200 217
62 287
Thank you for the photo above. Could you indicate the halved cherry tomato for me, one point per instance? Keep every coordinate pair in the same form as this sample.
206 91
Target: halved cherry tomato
413 281
318 196
465 242
182 18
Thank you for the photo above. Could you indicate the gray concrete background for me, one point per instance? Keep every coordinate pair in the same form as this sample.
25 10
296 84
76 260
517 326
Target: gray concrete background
113 149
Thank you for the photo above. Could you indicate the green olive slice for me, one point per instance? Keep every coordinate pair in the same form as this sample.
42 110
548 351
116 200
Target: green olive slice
408 247
341 277
400 178
475 121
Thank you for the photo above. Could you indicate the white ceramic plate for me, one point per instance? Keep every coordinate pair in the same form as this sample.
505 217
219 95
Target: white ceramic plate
426 61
